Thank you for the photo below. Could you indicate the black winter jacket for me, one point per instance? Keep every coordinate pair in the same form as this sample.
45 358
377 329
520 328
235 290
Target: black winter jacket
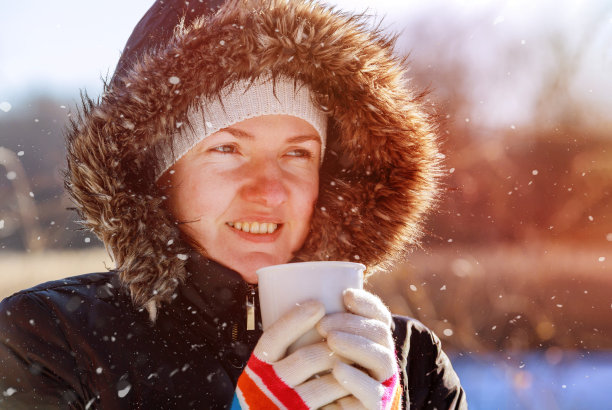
79 343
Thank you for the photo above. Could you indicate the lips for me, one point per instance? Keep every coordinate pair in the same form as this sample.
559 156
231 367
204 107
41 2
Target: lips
254 227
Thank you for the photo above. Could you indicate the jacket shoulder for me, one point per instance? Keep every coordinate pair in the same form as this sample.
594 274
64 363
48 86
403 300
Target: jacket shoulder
426 371
37 352
72 283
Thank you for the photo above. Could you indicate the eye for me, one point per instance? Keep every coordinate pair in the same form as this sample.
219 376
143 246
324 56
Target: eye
225 149
300 153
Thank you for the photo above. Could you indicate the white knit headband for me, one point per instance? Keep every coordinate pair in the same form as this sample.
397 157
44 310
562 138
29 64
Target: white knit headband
240 101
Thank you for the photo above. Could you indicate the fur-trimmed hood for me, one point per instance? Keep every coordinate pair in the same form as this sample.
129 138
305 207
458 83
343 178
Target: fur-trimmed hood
378 178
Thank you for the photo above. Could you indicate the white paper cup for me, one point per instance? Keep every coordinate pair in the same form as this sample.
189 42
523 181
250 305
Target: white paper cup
281 287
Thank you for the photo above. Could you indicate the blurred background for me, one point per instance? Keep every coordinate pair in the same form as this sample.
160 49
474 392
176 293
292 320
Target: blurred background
515 271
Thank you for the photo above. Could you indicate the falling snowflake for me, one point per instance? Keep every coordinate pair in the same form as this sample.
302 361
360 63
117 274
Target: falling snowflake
11 175
174 80
5 106
9 392
123 392
534 172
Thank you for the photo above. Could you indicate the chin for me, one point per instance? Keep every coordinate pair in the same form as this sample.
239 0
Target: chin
252 262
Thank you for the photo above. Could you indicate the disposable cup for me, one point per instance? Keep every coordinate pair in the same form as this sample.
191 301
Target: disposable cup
281 287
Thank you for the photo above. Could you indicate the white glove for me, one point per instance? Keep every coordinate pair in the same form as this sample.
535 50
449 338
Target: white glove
363 336
271 380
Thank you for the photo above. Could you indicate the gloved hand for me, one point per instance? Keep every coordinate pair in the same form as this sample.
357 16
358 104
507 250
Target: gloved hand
271 380
363 336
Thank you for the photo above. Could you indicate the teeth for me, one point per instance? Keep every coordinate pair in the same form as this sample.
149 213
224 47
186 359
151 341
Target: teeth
254 227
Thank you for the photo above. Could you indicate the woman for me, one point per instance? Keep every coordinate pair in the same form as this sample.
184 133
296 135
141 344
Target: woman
258 133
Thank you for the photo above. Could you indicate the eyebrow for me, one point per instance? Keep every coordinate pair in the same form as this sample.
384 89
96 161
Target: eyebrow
294 140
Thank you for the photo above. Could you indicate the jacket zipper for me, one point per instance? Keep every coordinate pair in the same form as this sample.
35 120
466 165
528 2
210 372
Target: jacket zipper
250 308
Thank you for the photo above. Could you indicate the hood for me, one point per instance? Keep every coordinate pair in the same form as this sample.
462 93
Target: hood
379 175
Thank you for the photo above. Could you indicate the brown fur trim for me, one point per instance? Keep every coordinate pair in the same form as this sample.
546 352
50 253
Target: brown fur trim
379 177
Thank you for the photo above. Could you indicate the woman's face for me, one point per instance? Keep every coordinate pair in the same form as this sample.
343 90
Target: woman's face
246 193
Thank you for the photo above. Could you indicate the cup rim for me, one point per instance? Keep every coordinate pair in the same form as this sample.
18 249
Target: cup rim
273 268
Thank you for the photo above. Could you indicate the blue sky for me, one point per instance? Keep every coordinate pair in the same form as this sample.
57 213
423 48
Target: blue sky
62 46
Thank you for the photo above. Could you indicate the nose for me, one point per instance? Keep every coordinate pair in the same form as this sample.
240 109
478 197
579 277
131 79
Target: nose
265 185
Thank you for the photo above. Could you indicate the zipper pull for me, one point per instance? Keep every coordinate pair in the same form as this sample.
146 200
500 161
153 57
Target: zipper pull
250 309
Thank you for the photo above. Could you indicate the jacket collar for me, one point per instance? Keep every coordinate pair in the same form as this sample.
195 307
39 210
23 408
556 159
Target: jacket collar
219 292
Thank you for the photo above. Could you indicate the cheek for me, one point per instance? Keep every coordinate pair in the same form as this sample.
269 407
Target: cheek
307 197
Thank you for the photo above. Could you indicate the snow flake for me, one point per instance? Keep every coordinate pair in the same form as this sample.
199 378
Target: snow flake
9 392
1 223
591 218
443 287
123 392
5 106
89 403
609 237
222 42
448 332
170 242
87 240
182 256
452 170
11 175
20 154
498 20
356 257
413 288
99 370
174 80
32 322
31 194
534 172
602 258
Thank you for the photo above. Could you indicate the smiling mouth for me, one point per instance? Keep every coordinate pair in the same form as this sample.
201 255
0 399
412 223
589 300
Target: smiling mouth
255 227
